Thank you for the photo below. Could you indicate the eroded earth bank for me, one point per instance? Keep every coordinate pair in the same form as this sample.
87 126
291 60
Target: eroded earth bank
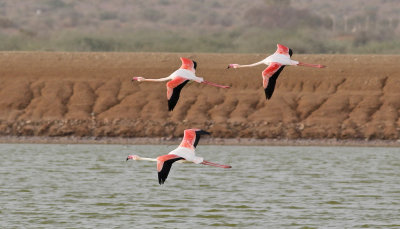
45 94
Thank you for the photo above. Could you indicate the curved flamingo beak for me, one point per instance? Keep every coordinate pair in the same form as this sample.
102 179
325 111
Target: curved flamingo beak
133 157
129 157
231 66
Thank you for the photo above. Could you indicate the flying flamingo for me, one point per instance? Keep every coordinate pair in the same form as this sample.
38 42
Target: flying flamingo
276 62
184 153
179 78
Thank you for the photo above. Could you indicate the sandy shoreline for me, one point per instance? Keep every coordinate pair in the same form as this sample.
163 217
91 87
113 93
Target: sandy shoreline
204 141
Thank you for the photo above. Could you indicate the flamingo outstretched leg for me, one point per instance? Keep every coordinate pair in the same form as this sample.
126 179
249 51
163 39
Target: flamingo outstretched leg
311 65
215 164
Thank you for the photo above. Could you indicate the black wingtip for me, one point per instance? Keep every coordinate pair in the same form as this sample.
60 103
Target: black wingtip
198 134
163 174
268 92
201 132
160 181
175 95
172 103
194 64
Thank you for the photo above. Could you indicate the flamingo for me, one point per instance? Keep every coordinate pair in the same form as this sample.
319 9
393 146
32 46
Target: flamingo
179 79
276 62
184 153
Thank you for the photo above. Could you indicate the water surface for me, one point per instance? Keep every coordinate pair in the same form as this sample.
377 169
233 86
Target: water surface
91 186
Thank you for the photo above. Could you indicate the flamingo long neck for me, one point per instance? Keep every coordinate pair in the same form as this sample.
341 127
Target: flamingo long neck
251 65
154 159
157 80
146 159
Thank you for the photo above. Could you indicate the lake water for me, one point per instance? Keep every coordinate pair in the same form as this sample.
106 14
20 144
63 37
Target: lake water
91 186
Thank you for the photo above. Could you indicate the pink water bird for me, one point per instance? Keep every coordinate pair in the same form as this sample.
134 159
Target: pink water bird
276 62
184 153
178 80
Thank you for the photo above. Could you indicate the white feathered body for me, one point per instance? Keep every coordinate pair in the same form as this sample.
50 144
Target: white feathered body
187 74
187 153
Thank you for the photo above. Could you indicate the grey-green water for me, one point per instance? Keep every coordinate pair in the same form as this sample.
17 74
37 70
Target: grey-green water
91 186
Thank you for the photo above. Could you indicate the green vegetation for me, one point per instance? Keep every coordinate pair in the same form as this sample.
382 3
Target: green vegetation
308 26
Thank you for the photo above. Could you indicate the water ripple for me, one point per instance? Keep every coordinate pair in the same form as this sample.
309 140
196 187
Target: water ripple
91 186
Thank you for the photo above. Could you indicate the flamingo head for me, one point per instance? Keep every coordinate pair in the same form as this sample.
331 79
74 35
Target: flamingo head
137 78
232 66
133 157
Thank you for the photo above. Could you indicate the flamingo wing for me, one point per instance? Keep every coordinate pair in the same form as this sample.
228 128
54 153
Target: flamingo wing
281 49
270 75
174 88
188 64
164 164
198 134
191 138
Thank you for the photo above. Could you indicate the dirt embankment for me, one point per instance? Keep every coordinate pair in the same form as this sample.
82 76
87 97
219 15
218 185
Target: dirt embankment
90 94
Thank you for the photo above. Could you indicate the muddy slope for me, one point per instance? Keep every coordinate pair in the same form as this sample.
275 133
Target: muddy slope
90 94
